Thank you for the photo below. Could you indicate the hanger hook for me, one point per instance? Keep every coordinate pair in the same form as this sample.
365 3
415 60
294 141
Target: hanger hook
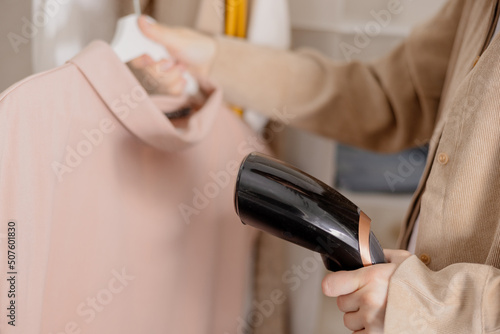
137 7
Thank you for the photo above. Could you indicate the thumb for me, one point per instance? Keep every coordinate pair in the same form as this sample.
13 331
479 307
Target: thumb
189 47
159 33
343 282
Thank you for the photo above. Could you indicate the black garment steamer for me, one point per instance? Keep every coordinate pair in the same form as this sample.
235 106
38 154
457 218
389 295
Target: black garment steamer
280 199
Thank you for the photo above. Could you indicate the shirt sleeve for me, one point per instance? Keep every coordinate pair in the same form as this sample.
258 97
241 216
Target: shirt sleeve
460 299
387 105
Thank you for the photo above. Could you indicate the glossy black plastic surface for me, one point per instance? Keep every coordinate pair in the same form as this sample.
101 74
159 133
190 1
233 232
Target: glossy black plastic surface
280 199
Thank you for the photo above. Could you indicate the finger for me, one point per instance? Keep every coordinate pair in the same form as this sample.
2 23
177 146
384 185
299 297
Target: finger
396 255
166 70
172 82
141 62
354 321
163 69
164 65
136 63
175 75
343 282
147 60
159 33
176 70
348 303
179 88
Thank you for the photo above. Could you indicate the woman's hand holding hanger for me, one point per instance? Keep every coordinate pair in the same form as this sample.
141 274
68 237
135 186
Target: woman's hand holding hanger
194 50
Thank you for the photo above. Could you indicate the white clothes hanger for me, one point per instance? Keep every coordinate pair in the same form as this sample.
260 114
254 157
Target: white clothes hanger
129 43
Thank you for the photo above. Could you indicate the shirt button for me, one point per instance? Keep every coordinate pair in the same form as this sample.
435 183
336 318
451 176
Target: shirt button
443 158
426 259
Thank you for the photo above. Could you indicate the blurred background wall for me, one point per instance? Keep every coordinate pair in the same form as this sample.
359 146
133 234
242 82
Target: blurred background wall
15 64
